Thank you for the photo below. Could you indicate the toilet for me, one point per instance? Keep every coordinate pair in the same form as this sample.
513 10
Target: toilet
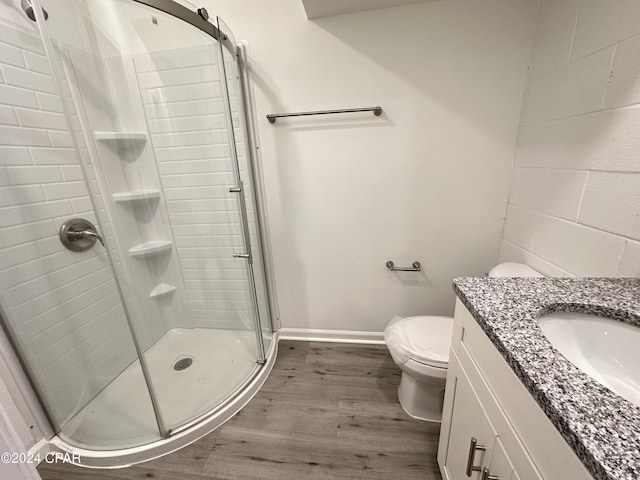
420 347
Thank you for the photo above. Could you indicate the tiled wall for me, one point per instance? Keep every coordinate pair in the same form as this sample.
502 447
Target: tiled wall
574 207
63 305
186 117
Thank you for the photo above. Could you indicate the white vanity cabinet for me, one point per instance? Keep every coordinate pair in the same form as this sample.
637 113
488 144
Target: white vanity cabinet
492 429
478 450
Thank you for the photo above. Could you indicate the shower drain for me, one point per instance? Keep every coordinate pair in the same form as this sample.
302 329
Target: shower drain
183 363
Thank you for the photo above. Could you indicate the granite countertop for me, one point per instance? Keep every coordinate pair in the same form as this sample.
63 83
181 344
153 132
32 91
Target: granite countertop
601 427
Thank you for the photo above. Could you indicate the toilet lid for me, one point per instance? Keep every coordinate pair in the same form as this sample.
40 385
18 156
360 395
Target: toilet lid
423 339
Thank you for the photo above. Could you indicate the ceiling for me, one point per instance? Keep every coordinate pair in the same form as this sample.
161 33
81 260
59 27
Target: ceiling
325 8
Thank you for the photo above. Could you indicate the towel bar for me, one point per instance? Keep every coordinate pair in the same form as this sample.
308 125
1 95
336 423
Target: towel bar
377 111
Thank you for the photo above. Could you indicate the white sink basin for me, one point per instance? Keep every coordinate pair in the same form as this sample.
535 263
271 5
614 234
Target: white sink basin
607 350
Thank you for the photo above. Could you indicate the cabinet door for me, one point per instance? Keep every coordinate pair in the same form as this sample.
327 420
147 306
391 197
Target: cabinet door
500 466
468 420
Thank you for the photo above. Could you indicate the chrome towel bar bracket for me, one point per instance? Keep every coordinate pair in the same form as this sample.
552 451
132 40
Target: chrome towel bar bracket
415 267
377 111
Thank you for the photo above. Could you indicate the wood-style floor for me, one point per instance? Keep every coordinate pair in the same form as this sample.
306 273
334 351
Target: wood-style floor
328 411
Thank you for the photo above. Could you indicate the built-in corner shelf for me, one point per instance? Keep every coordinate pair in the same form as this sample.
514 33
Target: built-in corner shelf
122 141
162 290
120 136
136 196
150 248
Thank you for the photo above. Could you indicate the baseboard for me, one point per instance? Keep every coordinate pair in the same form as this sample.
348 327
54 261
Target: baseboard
338 336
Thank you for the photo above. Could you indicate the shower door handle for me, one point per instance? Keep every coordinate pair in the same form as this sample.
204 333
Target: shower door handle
245 224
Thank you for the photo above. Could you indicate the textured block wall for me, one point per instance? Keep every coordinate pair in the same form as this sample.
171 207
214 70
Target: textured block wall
574 207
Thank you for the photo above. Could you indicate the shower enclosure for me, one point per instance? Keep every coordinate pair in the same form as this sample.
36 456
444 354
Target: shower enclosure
155 325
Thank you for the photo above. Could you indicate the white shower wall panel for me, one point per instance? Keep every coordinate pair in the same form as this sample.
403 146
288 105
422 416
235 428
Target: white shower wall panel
63 306
110 102
185 114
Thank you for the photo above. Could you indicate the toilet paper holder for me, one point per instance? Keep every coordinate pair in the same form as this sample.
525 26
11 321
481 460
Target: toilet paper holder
415 267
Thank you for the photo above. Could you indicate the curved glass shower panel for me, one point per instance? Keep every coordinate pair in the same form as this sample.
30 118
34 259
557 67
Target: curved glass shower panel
237 127
62 310
147 93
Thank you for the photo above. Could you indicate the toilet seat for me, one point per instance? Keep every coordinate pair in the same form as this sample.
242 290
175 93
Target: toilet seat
420 347
421 340
426 373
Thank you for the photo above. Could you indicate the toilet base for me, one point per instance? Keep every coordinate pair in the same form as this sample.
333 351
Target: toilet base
421 400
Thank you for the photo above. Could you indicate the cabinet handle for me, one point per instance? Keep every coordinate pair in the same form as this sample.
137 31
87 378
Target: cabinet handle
245 224
473 446
486 476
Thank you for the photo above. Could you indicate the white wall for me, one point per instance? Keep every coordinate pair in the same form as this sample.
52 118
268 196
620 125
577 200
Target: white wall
10 441
574 207
427 181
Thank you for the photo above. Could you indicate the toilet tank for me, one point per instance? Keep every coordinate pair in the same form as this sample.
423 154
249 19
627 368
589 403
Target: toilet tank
512 269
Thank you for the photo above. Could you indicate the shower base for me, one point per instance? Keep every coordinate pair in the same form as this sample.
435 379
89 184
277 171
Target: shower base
118 428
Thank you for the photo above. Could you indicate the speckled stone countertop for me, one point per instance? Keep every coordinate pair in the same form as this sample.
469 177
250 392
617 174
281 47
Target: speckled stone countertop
601 427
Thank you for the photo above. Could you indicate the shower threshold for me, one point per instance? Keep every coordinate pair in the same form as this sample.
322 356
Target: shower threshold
117 428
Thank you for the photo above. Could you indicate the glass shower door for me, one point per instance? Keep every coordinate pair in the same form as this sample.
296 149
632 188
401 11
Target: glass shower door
144 93
236 109
63 310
